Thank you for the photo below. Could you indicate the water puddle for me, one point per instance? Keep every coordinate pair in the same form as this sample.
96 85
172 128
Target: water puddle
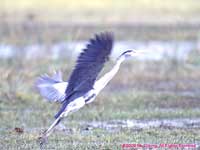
157 49
145 124
117 125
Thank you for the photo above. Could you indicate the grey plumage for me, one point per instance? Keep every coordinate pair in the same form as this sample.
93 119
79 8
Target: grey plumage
52 88
90 62
83 87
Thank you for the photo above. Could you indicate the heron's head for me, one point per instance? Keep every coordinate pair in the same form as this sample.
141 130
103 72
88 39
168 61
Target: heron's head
131 53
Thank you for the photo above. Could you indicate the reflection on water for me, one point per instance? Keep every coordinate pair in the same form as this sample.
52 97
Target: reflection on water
157 49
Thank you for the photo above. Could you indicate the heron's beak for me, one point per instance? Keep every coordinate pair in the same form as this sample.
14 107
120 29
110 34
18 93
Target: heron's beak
139 52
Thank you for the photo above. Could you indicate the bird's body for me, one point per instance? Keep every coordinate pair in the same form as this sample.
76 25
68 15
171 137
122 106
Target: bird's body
89 64
82 87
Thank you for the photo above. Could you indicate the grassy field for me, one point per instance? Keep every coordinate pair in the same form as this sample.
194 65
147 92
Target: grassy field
139 91
143 91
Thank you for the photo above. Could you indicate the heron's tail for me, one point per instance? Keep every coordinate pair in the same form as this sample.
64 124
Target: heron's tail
52 88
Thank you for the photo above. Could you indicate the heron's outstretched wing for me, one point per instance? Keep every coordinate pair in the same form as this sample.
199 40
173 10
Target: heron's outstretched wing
90 62
52 88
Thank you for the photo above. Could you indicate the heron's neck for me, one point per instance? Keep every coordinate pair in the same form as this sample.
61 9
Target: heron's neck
103 81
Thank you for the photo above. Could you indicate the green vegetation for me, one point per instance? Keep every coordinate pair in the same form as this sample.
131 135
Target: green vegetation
145 91
100 139
136 95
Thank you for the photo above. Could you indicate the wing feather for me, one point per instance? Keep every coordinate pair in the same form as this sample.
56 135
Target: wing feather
90 62
52 88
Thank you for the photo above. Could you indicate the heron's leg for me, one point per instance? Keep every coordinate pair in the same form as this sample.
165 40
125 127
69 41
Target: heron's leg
51 128
43 138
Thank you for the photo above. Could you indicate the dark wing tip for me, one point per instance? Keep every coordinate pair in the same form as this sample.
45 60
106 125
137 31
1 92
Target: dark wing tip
90 62
103 39
106 39
104 36
98 48
101 43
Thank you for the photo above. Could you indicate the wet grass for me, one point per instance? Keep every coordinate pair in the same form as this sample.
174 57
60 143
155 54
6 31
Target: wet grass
100 139
152 90
139 91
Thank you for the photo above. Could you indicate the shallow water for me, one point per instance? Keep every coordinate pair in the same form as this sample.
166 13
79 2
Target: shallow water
116 125
157 50
145 124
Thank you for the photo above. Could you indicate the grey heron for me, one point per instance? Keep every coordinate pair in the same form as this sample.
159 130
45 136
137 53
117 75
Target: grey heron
82 86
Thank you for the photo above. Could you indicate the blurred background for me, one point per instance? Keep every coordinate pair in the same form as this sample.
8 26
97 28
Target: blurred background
37 28
153 99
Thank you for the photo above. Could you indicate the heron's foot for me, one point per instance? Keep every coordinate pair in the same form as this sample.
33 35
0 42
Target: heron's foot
42 140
